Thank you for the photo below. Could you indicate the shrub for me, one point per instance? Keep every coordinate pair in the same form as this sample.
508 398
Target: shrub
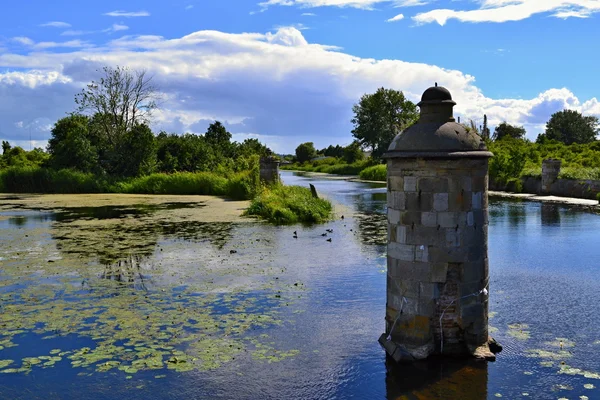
289 204
374 173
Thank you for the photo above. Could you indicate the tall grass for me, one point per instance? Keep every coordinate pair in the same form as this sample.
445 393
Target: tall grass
374 173
289 204
44 180
239 186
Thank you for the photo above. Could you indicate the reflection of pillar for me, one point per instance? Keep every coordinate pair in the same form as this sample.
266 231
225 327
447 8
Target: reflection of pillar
550 214
550 171
269 170
437 237
438 379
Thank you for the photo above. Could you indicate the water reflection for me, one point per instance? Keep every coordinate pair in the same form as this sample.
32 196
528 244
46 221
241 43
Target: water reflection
550 214
437 379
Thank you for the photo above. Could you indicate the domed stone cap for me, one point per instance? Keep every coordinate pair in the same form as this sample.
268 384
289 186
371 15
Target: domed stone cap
436 134
436 94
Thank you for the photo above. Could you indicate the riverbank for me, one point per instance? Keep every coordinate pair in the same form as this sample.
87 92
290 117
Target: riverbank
570 201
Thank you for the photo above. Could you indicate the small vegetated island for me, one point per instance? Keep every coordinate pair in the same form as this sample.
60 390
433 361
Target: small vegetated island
107 146
569 137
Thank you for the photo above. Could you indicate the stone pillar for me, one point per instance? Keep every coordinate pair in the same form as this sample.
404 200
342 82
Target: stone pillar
437 278
550 171
269 170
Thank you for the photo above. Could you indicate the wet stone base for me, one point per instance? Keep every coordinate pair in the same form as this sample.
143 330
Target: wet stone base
403 354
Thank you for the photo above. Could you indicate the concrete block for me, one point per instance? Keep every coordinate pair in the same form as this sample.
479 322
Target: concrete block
426 307
479 184
396 200
422 235
391 232
393 216
445 255
470 218
477 200
421 253
396 183
459 201
410 183
449 219
429 219
427 291
406 288
402 252
410 217
412 271
433 185
440 201
439 272
400 234
418 201
453 237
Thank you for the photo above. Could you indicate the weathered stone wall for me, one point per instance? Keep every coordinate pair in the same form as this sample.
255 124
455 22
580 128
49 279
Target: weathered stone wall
437 254
550 171
269 171
581 189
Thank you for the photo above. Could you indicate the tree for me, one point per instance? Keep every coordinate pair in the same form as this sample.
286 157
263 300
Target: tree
353 152
485 131
305 152
120 100
378 117
507 130
70 146
136 152
569 126
5 147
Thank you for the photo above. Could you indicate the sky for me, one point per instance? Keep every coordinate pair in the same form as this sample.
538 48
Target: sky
289 71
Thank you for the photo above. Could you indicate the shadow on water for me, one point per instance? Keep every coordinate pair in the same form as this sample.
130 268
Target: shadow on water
550 214
437 379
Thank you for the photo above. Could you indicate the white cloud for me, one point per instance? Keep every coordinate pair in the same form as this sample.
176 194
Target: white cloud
308 15
127 14
57 24
116 28
72 32
361 4
189 7
512 10
411 3
23 40
396 18
276 85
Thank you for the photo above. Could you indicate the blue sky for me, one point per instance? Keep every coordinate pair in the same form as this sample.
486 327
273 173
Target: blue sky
289 71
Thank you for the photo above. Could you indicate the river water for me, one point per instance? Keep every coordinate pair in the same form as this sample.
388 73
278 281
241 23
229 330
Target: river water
120 303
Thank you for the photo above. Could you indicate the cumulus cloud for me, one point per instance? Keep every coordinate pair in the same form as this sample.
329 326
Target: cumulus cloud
511 10
57 24
396 18
127 14
276 86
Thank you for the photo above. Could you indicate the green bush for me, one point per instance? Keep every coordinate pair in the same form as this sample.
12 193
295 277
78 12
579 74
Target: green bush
374 173
598 197
289 204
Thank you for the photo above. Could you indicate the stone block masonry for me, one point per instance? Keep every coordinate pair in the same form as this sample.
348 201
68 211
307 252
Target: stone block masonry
435 246
437 278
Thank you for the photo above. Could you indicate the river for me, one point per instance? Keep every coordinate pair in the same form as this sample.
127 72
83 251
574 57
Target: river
130 303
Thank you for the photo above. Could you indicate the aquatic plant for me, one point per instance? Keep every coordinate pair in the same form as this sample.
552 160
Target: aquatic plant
289 204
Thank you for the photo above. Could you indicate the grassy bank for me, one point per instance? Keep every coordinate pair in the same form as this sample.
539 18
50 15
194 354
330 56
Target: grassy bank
239 186
366 169
289 204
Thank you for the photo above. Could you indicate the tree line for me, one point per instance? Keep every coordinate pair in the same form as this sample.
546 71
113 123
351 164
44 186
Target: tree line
109 135
380 116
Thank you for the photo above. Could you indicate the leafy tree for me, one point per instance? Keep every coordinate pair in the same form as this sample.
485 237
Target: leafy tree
569 126
70 146
378 117
334 151
217 136
120 100
5 147
507 130
253 146
136 152
305 152
353 152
